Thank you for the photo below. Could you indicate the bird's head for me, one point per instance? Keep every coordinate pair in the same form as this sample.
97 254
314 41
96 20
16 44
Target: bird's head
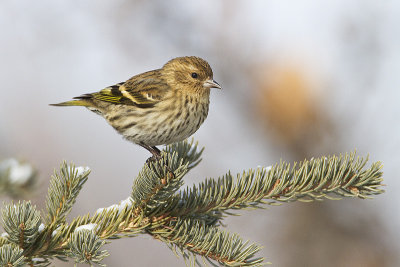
190 73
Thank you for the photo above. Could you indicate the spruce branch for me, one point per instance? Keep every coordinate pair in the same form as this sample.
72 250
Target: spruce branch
157 181
199 238
187 220
84 246
310 180
21 223
188 152
11 256
63 191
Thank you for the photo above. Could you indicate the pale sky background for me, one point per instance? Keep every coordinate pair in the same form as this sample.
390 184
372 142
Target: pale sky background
52 51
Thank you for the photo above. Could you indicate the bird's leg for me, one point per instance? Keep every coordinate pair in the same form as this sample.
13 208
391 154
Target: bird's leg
154 151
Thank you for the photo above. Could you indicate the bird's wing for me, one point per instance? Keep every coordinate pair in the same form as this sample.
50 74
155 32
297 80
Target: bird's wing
143 90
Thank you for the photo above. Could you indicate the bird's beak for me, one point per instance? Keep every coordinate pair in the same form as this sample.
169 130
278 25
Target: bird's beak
211 84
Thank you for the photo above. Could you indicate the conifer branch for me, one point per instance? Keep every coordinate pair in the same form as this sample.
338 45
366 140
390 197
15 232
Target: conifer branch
63 191
84 247
187 220
310 180
208 241
11 256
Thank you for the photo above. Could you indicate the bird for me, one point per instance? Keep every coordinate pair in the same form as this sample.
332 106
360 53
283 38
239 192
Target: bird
157 107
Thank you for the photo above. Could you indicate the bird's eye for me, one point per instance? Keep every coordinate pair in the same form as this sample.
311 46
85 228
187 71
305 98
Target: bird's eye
194 75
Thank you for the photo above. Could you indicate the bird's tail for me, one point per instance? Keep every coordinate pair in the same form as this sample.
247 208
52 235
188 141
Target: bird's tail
83 100
79 102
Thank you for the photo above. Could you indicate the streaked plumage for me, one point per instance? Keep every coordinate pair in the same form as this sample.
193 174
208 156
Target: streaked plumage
157 107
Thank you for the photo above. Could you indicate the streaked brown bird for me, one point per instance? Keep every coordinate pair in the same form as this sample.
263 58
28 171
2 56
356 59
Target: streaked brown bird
157 107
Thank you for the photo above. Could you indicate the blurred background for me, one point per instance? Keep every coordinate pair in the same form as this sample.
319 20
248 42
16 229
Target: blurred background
300 79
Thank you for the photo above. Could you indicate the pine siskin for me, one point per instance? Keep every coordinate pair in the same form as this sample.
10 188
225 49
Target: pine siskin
157 107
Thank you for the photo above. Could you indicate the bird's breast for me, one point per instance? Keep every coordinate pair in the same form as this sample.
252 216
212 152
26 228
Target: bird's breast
169 121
